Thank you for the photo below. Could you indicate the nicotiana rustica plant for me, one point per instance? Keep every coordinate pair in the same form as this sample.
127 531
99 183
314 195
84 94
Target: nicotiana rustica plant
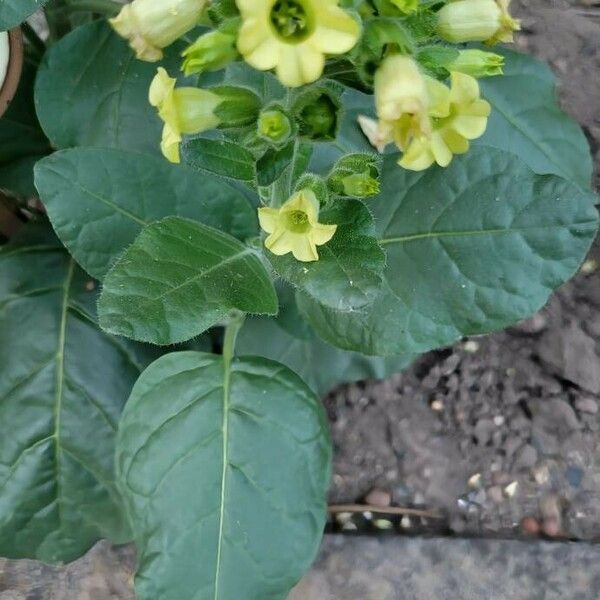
250 201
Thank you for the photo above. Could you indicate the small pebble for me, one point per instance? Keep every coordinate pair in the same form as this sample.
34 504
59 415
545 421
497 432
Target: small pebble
437 406
589 266
530 526
471 346
551 527
586 405
383 524
378 497
475 481
495 494
511 489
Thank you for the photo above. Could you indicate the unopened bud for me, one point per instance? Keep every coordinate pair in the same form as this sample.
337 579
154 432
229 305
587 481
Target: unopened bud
274 126
211 51
478 63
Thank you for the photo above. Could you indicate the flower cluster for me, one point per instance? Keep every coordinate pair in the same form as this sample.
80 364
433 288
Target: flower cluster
427 96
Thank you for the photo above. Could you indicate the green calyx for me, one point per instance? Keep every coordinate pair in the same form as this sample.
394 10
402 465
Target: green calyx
274 126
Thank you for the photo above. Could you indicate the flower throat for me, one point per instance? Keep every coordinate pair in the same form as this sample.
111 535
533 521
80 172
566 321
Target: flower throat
291 20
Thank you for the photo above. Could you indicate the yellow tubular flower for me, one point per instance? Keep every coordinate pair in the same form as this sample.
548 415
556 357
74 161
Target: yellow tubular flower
405 100
150 25
295 227
467 120
477 21
183 110
293 36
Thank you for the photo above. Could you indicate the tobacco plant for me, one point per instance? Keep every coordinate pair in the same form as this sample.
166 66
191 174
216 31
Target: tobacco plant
241 204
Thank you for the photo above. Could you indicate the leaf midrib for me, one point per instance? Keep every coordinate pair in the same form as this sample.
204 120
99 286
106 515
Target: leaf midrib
60 379
225 436
476 232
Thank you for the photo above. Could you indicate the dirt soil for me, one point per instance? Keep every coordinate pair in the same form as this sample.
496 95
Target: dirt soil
500 433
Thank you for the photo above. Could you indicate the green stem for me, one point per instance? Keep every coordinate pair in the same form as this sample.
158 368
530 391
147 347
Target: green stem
231 332
33 38
109 8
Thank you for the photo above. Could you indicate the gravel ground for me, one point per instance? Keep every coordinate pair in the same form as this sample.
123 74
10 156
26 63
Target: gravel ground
499 432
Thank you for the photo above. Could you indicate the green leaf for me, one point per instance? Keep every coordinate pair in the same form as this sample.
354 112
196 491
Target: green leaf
219 157
470 249
319 364
225 470
14 12
527 121
178 279
274 162
91 91
22 141
99 199
349 271
63 386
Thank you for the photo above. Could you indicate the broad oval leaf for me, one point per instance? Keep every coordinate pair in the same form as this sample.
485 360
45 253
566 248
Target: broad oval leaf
14 12
527 121
63 386
225 470
91 91
99 199
471 249
319 364
178 279
349 271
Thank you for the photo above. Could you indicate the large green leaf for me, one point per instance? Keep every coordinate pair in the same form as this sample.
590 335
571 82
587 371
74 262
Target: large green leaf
63 386
14 12
99 199
319 364
527 121
91 91
349 271
471 249
178 279
225 469
22 141
220 157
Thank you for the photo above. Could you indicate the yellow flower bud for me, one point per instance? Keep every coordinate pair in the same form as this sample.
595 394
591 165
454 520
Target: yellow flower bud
476 21
183 110
293 36
151 25
295 227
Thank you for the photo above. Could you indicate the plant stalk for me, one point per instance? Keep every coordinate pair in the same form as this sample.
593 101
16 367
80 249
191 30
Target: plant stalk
231 332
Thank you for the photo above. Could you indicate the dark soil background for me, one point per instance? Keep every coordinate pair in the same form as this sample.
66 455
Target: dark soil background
501 433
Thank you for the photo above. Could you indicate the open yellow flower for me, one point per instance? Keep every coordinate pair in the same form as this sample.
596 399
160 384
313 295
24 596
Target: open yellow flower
183 110
295 227
293 36
150 25
406 100
467 120
477 21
